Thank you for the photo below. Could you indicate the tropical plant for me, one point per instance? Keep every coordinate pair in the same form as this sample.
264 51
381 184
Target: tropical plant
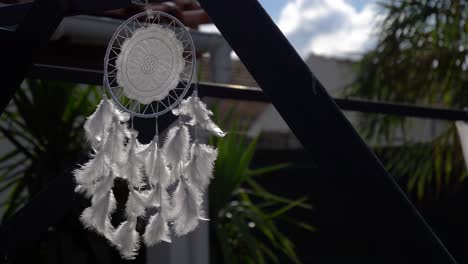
244 214
43 124
421 58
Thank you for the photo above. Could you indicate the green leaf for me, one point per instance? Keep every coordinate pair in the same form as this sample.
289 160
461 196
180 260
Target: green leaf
287 208
9 155
13 199
266 170
262 192
246 159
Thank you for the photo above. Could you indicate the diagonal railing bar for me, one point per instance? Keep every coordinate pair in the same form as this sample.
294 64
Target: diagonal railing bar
370 203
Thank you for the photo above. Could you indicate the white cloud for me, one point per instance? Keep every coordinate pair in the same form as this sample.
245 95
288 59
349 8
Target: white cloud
209 28
329 27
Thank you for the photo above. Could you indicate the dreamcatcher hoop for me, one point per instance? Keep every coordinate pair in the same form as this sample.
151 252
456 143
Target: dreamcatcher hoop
152 55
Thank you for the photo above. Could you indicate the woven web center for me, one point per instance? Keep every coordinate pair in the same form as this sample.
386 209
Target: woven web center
149 64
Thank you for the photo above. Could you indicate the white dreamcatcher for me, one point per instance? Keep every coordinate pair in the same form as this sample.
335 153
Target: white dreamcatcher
149 67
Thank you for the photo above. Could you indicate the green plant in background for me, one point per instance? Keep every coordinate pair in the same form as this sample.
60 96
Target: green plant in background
43 124
421 58
243 214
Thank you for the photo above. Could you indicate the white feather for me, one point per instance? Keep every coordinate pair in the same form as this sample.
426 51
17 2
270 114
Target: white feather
214 129
176 150
157 230
199 170
99 167
97 216
97 124
126 239
131 169
144 150
187 108
97 189
85 189
123 116
185 208
155 197
103 187
156 166
136 203
199 114
93 170
114 145
148 154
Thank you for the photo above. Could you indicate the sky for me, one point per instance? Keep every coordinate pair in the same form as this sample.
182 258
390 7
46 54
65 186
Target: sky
334 28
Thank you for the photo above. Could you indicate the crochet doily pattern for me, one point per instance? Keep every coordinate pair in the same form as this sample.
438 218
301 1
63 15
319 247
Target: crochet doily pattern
150 64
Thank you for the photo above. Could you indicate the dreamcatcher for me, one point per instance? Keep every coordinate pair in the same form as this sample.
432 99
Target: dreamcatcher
149 67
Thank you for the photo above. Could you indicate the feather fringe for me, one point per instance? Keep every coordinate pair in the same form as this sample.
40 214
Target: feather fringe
114 145
97 216
156 166
199 170
176 150
144 150
97 124
93 170
131 169
122 116
99 165
193 108
126 239
87 190
136 203
214 129
157 230
199 114
119 154
185 208
155 197
103 187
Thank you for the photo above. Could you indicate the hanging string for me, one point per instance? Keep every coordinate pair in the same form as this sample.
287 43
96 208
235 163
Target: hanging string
102 140
131 189
159 178
103 88
181 162
157 132
158 186
195 94
148 10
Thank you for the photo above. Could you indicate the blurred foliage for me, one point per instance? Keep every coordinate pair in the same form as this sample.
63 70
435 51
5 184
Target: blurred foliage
421 58
244 214
43 124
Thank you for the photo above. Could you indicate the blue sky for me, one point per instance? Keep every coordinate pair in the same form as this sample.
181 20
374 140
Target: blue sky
336 28
273 7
